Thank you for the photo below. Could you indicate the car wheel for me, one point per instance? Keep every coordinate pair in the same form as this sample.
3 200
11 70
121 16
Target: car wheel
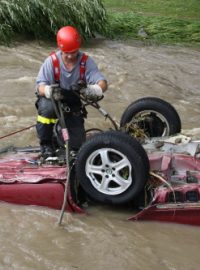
112 167
150 117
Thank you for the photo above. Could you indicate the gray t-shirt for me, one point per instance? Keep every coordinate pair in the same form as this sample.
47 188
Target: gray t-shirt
46 73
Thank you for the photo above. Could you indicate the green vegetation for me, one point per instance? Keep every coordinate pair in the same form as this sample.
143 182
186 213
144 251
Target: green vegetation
171 21
155 21
168 8
41 19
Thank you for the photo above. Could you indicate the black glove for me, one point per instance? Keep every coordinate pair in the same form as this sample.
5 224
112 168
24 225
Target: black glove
57 93
78 86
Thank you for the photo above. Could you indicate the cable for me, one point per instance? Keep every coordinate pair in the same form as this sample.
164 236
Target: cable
15 132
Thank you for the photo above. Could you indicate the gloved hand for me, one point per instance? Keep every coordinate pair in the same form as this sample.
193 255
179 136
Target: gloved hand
57 94
92 92
53 91
48 89
78 86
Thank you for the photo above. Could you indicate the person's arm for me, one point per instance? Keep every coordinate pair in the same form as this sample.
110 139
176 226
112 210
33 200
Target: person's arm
94 75
45 79
96 82
41 89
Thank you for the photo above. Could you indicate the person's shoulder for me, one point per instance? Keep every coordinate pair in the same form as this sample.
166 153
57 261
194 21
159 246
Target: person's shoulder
57 53
89 61
81 53
48 60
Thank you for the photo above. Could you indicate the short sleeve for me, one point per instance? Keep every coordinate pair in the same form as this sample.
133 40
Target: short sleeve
93 75
46 75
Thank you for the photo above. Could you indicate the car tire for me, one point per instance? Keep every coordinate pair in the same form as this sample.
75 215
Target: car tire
152 115
112 167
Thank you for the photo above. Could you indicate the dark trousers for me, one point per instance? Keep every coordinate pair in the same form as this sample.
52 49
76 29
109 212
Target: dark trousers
74 122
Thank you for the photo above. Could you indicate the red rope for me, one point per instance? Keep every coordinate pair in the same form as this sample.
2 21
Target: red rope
14 132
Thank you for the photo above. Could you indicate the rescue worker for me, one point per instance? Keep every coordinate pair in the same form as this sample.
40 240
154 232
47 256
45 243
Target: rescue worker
65 67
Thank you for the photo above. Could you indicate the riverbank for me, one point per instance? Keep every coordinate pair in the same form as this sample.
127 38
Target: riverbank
154 22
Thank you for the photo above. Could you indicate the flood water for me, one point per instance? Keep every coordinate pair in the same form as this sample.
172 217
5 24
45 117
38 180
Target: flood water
30 239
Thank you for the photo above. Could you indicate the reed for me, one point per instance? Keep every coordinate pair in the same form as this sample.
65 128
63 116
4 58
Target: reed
40 19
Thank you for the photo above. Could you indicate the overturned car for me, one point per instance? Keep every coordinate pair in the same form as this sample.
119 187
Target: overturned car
140 163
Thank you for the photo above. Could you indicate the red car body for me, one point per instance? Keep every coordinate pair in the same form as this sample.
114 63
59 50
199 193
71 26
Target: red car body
174 184
179 201
23 181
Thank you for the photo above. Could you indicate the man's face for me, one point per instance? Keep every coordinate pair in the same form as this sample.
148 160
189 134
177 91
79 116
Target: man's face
70 56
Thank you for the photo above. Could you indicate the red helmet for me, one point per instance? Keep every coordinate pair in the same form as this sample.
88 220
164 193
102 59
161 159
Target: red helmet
68 39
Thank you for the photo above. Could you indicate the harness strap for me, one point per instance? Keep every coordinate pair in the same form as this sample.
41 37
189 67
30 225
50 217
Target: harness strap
83 66
56 66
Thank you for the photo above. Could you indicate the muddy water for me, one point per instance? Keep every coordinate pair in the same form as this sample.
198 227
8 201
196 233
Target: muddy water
104 239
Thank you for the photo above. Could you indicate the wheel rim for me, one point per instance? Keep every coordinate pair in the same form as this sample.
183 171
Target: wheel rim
109 171
153 123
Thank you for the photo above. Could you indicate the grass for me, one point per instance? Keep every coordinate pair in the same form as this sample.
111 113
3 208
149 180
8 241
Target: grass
164 21
168 8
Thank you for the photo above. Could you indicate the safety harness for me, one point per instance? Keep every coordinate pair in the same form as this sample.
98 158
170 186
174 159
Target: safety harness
56 69
56 66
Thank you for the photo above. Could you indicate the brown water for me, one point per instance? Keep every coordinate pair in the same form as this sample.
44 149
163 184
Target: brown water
30 239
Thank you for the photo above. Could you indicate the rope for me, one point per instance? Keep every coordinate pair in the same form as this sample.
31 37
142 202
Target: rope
64 205
59 113
68 167
17 131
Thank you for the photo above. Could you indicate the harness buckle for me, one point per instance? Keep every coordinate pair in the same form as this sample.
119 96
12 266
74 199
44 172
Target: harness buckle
67 109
